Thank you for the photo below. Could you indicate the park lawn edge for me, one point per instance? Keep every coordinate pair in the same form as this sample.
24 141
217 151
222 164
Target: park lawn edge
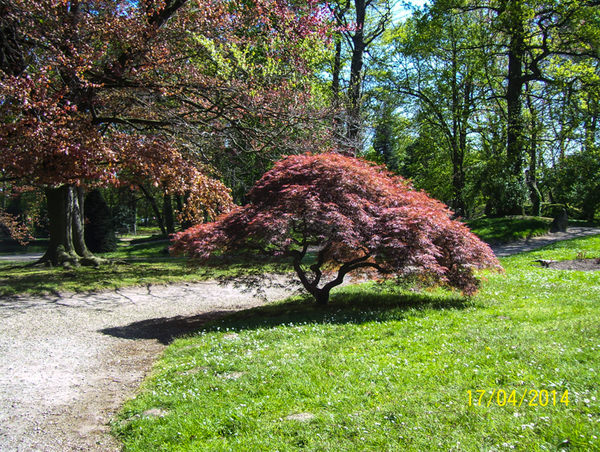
154 267
388 369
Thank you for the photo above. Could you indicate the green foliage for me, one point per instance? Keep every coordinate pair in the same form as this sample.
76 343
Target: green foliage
382 369
508 193
576 182
453 70
141 264
507 229
124 217
427 167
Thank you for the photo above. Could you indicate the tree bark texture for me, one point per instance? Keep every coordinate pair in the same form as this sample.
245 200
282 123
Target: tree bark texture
65 211
514 91
356 75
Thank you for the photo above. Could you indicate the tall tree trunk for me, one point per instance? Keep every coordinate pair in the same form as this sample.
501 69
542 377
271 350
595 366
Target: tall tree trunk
458 181
356 77
338 120
168 214
337 68
514 91
67 243
461 110
531 179
590 148
154 205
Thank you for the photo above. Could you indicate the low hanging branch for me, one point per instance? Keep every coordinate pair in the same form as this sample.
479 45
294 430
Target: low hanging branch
355 216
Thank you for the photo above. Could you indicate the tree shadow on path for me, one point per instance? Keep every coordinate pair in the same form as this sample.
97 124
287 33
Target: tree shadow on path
363 305
164 329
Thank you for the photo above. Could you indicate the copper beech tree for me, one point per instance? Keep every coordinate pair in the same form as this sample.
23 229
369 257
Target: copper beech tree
97 92
354 216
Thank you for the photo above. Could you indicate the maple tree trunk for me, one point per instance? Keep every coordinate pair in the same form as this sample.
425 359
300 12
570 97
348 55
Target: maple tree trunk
67 243
322 296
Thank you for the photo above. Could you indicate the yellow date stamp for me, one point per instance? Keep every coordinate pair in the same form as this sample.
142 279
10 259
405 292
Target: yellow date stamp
529 397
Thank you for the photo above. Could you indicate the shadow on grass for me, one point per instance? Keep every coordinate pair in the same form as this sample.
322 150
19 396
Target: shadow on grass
39 281
164 329
359 305
505 230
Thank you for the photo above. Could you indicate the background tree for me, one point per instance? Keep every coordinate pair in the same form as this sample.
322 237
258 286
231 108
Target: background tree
99 226
354 216
494 88
360 24
436 64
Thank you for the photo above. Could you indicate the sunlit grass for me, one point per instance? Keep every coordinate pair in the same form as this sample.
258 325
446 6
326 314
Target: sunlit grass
502 230
135 265
383 369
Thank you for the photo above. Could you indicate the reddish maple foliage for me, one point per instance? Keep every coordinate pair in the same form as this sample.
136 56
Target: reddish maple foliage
355 216
96 92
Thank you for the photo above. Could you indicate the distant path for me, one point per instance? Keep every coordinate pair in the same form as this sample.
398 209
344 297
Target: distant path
522 246
68 362
21 257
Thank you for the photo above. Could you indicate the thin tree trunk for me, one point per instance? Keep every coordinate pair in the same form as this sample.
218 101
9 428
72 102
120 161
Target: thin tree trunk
168 214
337 68
531 179
355 94
591 126
159 217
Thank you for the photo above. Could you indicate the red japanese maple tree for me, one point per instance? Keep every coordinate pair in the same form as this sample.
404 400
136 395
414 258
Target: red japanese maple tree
354 216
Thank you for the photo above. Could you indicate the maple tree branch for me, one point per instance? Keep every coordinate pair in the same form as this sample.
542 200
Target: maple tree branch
347 268
115 120
160 17
316 267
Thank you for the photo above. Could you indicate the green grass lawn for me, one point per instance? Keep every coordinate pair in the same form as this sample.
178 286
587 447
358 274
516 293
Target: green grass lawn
390 370
134 265
507 229
143 261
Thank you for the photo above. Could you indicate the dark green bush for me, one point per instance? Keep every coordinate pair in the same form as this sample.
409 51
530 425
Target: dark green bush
99 229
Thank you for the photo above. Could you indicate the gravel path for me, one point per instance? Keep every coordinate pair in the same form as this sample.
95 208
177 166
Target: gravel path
522 246
67 363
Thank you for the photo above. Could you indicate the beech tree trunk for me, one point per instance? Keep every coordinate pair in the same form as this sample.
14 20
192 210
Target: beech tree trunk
67 243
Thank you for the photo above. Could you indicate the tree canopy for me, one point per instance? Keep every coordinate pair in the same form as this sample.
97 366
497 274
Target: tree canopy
118 92
354 216
496 94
